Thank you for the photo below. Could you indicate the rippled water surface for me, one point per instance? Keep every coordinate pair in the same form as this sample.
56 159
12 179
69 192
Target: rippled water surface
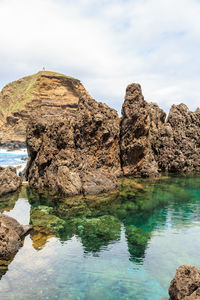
123 246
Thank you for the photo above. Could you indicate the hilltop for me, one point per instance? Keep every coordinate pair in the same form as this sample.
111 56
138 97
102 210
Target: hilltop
44 93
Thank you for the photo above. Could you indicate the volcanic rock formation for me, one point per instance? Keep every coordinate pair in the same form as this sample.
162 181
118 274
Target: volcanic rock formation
9 181
11 235
140 124
85 152
76 153
186 284
77 145
44 93
150 145
177 145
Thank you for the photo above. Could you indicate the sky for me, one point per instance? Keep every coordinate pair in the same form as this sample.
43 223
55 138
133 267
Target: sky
107 44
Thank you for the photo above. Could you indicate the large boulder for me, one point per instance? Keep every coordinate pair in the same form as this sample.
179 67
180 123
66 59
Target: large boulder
9 181
186 284
77 153
11 235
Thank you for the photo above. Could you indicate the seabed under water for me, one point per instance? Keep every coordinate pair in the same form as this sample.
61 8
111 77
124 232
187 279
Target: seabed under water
122 245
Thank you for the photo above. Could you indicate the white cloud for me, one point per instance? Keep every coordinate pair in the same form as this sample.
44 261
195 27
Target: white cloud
106 44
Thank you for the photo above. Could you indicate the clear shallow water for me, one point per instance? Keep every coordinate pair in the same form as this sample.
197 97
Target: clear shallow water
125 246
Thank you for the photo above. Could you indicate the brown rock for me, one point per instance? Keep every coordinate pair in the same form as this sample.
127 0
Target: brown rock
9 181
44 93
11 234
139 125
186 284
150 145
178 142
77 153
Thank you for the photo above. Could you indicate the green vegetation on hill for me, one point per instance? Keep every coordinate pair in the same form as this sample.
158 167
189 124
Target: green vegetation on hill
16 94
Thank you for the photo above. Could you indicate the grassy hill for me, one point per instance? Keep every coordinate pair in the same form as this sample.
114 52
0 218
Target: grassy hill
16 94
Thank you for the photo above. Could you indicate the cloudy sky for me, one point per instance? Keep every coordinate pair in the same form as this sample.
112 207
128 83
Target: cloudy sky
107 44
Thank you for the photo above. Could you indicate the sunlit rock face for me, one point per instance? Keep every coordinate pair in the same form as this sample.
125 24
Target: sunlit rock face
140 124
44 93
75 154
150 145
178 143
85 149
186 284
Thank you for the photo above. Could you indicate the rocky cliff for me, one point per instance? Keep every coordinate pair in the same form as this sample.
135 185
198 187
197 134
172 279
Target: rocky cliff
140 125
150 145
75 154
77 145
45 93
85 152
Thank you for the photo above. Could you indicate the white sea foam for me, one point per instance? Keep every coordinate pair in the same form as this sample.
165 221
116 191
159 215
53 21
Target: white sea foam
18 151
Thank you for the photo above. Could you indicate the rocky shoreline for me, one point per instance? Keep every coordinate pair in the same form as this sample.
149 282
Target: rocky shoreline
86 152
81 147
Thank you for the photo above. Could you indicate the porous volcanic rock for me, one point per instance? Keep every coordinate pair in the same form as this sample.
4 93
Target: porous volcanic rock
11 235
177 145
140 124
9 181
186 284
150 145
77 153
45 93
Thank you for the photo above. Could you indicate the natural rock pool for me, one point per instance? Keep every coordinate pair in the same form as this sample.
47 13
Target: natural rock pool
125 245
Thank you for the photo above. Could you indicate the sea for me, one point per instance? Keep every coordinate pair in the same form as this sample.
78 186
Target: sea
126 247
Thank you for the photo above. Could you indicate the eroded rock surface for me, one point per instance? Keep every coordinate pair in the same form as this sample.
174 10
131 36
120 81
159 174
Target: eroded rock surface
140 124
177 147
150 145
186 284
9 181
76 153
84 150
11 235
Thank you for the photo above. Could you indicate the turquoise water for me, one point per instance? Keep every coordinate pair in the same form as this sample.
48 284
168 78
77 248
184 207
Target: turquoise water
123 246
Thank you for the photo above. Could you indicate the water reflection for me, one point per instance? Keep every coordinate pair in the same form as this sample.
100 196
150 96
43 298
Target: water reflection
136 223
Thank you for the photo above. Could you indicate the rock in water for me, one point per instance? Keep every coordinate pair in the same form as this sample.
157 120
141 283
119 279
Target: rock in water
177 146
77 153
11 235
186 284
9 181
141 121
150 145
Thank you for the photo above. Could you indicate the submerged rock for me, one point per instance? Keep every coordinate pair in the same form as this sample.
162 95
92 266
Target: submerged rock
98 232
42 216
186 284
9 181
11 235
